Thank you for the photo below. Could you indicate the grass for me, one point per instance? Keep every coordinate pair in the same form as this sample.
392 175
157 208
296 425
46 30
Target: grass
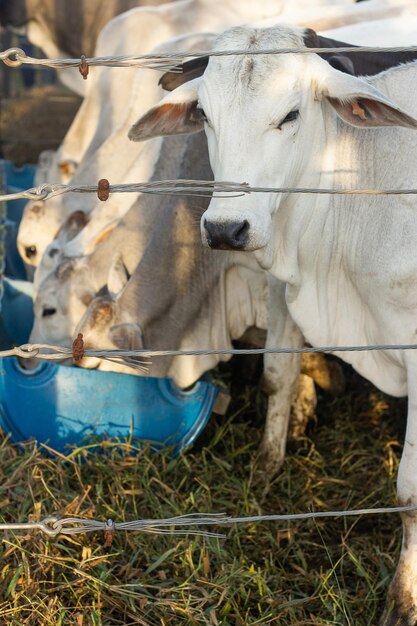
305 573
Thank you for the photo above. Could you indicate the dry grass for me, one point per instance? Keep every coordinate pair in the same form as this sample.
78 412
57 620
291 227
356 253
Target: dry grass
325 572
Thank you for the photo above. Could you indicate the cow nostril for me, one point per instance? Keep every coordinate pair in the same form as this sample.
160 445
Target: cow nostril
208 229
241 232
48 312
227 235
30 251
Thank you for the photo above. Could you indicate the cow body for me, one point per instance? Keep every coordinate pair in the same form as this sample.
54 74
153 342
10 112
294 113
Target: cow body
349 263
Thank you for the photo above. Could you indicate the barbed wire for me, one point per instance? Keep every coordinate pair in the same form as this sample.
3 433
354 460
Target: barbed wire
171 61
140 358
190 187
53 525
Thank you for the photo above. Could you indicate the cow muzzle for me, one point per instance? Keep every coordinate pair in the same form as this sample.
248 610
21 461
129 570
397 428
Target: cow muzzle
228 235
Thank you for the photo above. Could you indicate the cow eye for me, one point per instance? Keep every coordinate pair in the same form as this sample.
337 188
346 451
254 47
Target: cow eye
292 115
48 312
197 115
201 116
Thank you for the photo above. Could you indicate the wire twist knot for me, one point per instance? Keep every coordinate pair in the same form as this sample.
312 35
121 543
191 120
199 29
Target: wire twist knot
13 57
26 351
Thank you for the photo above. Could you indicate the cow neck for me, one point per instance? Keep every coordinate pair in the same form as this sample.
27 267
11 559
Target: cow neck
299 222
207 329
348 267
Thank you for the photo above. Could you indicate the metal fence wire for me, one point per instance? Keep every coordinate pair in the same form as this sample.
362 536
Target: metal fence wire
171 61
192 523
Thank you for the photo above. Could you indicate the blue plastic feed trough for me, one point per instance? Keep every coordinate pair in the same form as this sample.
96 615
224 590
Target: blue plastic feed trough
61 406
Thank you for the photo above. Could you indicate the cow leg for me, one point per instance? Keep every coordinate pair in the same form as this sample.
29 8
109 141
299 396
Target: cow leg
280 378
303 407
326 373
401 608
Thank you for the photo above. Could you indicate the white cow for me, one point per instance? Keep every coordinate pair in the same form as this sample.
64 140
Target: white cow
117 97
350 263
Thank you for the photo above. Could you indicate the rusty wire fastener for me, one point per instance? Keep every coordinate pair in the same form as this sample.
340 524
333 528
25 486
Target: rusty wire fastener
84 69
109 532
103 189
78 348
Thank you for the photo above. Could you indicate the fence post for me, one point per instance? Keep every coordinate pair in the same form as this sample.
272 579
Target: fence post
5 42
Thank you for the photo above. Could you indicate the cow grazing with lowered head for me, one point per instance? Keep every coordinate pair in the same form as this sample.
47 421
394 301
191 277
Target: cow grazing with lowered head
349 262
42 220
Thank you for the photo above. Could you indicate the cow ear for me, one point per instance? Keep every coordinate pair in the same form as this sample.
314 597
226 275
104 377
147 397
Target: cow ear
342 63
127 336
67 168
358 103
176 114
118 276
72 226
189 71
99 237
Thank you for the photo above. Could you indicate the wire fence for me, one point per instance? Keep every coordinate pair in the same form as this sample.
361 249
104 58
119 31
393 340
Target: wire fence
189 524
171 61
191 188
52 526
48 352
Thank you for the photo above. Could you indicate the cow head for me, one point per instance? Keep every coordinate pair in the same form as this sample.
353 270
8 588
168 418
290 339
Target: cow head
61 301
107 325
40 223
266 118
57 251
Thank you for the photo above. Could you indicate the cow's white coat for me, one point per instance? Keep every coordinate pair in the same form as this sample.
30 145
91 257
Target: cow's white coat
349 262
